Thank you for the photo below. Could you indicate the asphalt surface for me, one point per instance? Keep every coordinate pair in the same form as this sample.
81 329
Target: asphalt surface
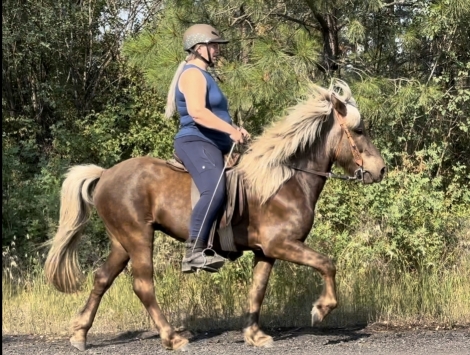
368 340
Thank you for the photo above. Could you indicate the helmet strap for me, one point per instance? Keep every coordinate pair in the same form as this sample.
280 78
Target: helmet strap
209 62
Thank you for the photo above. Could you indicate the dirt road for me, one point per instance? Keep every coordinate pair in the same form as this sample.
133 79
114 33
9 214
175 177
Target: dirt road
286 341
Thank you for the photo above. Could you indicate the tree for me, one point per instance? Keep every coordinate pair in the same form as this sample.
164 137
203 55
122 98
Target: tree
61 64
407 63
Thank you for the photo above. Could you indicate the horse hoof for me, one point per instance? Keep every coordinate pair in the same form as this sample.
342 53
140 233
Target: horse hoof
79 345
186 347
179 344
267 342
258 339
175 343
316 317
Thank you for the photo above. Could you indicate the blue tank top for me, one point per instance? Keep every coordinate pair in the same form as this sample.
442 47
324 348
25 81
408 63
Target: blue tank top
215 102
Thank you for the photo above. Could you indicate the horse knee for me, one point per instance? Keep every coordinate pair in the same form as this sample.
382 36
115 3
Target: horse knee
327 268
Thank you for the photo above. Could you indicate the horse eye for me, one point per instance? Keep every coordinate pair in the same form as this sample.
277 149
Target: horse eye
359 131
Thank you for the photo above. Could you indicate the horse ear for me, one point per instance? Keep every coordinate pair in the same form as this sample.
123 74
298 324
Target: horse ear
339 106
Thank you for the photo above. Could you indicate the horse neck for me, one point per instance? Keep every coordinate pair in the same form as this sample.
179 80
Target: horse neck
313 159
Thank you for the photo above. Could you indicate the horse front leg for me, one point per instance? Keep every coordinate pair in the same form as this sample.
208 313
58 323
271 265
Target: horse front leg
261 272
297 252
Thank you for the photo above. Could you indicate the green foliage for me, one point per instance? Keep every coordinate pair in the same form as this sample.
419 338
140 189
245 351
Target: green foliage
131 124
408 220
69 97
29 200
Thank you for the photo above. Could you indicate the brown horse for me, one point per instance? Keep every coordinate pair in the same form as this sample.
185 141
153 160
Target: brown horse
284 171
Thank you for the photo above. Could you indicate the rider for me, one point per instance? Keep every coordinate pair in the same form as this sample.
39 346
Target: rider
206 134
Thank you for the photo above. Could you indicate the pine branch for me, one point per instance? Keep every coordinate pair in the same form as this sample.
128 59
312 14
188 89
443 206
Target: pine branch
400 3
300 22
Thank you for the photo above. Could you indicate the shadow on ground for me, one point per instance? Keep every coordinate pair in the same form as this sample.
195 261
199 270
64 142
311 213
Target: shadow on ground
338 335
121 338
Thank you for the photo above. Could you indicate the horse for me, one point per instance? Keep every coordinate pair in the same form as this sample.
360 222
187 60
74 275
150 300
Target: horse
284 171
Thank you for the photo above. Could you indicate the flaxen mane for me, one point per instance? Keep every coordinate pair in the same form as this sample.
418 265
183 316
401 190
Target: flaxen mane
263 165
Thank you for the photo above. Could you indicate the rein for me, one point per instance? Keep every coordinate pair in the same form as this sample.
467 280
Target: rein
359 173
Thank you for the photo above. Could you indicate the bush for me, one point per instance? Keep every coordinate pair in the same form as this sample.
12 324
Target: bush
409 220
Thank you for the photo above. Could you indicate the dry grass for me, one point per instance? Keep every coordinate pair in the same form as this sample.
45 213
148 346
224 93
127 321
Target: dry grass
210 301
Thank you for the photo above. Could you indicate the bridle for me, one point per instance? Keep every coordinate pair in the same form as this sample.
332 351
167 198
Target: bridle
358 173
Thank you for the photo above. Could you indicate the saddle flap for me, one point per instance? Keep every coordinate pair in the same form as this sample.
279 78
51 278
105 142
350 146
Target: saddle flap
232 160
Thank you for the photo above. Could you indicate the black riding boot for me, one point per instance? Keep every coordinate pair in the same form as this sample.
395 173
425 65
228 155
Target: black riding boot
199 257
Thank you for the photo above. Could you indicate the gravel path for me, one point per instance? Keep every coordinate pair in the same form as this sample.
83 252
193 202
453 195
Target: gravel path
303 341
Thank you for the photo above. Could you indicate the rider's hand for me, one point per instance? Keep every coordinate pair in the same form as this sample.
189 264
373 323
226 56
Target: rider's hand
245 133
237 136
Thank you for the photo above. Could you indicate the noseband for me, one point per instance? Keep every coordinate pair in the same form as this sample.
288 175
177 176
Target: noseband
358 173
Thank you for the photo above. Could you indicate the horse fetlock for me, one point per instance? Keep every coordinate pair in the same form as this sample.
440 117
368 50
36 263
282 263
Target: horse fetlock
332 305
80 327
320 310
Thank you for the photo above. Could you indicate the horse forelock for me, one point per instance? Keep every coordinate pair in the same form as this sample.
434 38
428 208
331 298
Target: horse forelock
264 165
353 117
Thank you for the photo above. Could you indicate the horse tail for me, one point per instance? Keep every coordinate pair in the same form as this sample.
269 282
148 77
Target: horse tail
62 268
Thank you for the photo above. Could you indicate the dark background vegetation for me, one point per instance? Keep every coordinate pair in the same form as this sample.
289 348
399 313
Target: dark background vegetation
86 81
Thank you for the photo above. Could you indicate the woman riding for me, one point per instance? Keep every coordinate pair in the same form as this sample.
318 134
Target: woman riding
206 134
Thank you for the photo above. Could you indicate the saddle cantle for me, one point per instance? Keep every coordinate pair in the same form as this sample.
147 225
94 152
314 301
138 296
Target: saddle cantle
176 164
235 196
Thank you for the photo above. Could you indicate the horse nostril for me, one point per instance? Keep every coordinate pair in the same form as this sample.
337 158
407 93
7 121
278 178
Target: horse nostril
383 171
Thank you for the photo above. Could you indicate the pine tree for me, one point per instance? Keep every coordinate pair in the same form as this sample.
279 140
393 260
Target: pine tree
406 61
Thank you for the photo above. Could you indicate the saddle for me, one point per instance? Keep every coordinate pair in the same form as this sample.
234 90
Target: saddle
235 197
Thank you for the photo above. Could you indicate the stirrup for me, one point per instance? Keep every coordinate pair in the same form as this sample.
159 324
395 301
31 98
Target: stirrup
210 263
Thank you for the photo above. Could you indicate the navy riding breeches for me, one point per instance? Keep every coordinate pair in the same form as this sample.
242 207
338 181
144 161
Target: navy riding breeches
205 163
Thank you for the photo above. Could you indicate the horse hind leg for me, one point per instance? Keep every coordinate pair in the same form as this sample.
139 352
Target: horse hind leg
104 277
261 272
141 253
